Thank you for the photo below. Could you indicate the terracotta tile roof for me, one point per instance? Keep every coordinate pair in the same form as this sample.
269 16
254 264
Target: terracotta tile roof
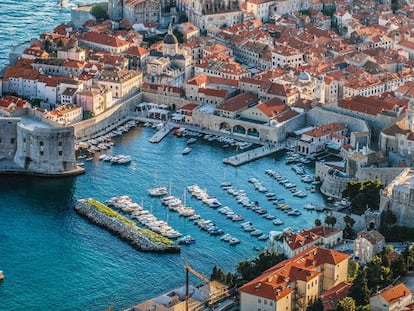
189 107
332 296
12 103
204 80
275 282
50 81
136 50
272 107
393 294
297 240
370 105
373 236
213 92
103 39
325 129
282 90
239 102
23 73
287 115
325 231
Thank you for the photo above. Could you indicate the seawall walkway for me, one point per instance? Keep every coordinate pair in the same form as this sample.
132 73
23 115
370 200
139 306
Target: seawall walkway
158 136
253 154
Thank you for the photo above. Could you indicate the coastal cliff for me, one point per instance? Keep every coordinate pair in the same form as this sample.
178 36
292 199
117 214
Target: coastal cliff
141 239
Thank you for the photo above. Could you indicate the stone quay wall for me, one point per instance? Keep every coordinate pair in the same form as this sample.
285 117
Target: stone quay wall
108 120
319 116
135 238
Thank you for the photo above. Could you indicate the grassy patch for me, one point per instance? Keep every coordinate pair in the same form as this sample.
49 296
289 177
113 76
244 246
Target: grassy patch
154 237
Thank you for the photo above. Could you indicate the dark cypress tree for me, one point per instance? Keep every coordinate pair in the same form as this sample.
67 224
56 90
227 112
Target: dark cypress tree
359 290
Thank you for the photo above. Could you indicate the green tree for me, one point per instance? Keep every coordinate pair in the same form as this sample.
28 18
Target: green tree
363 195
330 221
318 222
399 267
317 305
99 12
346 304
353 266
378 273
360 291
348 231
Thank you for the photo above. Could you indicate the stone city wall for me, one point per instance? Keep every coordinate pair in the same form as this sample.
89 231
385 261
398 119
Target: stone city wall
376 123
107 120
272 133
319 116
171 101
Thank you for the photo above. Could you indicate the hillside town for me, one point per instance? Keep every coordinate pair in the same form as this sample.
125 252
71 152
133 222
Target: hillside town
318 78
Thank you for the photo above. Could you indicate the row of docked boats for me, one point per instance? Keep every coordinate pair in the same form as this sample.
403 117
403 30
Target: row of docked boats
144 217
242 198
251 229
286 183
176 205
232 240
230 214
293 157
209 226
201 194
228 141
104 142
116 159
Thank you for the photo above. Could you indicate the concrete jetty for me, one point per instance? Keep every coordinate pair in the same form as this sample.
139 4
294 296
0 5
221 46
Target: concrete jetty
158 136
253 154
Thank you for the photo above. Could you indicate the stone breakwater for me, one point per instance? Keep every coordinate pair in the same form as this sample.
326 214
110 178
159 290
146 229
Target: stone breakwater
135 238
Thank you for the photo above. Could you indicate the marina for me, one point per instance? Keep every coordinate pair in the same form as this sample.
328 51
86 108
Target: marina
103 181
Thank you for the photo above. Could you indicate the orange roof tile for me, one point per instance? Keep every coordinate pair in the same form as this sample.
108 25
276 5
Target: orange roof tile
393 294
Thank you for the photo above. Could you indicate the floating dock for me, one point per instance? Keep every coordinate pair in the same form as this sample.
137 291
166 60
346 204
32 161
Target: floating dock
253 155
158 136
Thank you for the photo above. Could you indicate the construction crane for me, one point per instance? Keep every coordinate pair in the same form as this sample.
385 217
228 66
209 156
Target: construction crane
188 269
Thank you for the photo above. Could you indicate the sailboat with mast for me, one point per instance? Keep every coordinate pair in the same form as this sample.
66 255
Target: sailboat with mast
157 191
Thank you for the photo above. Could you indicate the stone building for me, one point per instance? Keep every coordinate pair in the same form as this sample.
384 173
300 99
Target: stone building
398 197
393 298
172 65
367 245
207 13
31 144
296 282
143 11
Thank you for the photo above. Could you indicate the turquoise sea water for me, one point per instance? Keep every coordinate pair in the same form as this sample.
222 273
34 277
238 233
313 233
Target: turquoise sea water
55 260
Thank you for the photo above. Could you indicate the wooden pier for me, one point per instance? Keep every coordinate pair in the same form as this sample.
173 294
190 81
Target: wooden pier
158 136
253 154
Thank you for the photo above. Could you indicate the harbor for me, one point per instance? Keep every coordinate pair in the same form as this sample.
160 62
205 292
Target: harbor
92 251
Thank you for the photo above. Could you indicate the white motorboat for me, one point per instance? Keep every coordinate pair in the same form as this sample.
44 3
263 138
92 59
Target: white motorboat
278 222
186 150
157 191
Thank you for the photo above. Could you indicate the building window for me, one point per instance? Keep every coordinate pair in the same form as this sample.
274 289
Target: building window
60 144
41 143
12 141
259 300
60 153
41 153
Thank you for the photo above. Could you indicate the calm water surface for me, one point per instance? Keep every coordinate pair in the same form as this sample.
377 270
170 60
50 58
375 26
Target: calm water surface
55 260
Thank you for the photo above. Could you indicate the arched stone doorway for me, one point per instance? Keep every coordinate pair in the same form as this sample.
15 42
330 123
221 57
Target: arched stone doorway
253 132
238 129
225 127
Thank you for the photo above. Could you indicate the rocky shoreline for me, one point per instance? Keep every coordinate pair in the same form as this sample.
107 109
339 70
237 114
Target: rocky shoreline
136 239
